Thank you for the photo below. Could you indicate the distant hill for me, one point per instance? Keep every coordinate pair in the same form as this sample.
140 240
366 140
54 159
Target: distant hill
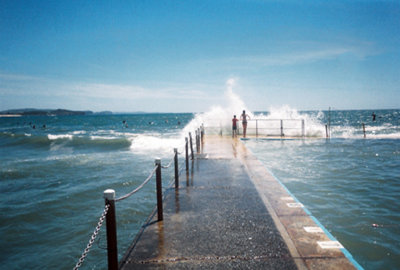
48 112
104 113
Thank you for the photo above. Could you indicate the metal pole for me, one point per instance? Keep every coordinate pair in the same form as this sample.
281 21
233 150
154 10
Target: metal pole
176 168
196 132
191 144
282 129
198 138
329 122
363 125
159 189
303 128
111 224
187 154
202 133
326 131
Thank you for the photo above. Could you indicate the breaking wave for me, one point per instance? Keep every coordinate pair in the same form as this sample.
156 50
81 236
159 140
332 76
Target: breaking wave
57 141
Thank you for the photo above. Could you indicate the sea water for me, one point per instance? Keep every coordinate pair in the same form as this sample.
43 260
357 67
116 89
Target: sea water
53 171
52 178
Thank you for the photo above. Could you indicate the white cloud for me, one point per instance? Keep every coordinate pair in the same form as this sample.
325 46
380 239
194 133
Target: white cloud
294 53
291 58
100 95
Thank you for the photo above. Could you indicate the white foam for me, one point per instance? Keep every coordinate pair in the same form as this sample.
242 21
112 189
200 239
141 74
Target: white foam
102 138
155 145
79 132
58 137
219 118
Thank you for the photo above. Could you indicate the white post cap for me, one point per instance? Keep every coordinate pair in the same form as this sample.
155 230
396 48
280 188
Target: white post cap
109 194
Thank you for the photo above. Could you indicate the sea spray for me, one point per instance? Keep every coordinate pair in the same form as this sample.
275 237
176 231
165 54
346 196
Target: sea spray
292 122
156 144
219 118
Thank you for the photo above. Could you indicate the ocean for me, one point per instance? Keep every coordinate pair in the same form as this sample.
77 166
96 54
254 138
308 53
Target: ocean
52 177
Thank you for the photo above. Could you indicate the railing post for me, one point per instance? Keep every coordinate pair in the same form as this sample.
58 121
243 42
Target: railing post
159 189
363 125
196 132
176 168
187 154
282 134
202 133
191 144
326 131
112 252
198 136
303 128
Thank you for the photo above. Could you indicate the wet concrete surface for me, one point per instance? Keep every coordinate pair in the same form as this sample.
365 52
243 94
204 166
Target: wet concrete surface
230 213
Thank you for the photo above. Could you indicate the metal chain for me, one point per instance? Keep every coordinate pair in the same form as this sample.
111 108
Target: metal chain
169 165
139 187
94 235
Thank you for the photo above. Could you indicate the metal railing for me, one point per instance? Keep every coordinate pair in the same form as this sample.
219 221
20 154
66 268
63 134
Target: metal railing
110 200
265 127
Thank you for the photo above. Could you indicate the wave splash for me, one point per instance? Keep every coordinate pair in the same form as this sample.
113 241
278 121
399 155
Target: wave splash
219 118
289 121
56 142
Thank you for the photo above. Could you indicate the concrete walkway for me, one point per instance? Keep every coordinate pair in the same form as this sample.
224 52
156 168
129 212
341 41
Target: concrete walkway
230 213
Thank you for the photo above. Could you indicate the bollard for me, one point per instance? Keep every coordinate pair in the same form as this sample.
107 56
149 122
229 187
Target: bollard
198 139
363 125
202 133
187 154
282 134
159 189
326 131
303 128
196 132
112 252
191 145
176 168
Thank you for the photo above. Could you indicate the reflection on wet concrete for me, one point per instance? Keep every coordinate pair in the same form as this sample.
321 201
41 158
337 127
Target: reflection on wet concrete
177 207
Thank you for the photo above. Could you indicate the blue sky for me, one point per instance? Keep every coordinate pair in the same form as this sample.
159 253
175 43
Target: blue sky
176 56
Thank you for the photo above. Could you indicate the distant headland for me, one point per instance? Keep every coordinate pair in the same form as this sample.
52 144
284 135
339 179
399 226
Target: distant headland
46 112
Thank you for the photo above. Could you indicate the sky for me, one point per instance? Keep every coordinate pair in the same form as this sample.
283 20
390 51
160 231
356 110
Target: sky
177 56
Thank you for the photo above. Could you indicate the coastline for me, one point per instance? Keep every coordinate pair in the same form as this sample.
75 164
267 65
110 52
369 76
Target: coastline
10 115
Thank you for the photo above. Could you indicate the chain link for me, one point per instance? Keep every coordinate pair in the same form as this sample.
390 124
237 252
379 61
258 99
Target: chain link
169 165
94 235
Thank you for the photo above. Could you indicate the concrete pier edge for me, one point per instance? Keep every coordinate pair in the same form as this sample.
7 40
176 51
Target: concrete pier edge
284 232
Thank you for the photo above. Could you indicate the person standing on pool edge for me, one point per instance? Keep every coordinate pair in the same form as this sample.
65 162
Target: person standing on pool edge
244 117
234 126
